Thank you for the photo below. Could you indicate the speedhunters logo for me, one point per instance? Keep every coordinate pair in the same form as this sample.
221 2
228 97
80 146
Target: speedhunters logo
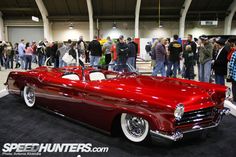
39 148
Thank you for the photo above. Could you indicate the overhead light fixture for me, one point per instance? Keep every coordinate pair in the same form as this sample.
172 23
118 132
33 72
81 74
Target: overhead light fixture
71 26
34 18
114 25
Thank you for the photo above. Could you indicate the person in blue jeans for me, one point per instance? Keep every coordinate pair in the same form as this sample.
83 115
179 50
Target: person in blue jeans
220 62
95 51
175 48
21 50
205 59
131 52
160 53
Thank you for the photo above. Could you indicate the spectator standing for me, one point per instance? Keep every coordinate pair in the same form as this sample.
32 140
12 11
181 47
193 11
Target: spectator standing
107 50
232 68
54 56
2 43
74 53
122 53
34 56
28 56
81 46
189 59
16 55
232 47
41 53
205 58
21 50
131 52
10 52
160 52
61 51
220 62
153 54
193 45
136 54
95 51
5 56
148 48
175 48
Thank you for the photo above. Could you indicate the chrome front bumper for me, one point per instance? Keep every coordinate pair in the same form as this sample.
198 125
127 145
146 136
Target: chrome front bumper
175 136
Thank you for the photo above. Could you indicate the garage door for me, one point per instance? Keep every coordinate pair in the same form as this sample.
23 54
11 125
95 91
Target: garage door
15 34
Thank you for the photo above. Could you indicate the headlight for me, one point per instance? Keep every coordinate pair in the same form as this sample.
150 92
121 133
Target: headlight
179 111
228 93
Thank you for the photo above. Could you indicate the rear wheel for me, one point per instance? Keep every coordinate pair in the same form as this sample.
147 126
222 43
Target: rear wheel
135 129
29 96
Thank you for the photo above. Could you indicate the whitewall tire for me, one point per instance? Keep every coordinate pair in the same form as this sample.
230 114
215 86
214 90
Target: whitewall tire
135 129
29 96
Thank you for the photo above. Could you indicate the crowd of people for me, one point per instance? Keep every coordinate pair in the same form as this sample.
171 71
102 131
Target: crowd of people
214 58
60 54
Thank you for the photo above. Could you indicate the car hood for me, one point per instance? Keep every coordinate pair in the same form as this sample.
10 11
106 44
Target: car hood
159 91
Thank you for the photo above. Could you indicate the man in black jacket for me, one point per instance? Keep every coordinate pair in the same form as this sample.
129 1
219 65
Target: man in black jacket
95 51
220 62
131 52
122 53
175 48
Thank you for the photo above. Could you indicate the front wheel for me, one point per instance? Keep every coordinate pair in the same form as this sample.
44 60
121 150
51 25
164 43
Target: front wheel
29 96
135 129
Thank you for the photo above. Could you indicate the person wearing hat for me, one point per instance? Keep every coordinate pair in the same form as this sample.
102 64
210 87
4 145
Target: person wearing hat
205 58
232 68
122 53
131 52
220 62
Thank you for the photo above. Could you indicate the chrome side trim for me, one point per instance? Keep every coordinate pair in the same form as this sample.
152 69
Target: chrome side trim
174 137
179 135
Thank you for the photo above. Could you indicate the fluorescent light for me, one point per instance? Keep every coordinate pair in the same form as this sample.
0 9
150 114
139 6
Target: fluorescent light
71 26
114 25
34 18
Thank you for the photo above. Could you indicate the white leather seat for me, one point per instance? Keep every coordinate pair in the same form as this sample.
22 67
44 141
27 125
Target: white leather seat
71 77
96 76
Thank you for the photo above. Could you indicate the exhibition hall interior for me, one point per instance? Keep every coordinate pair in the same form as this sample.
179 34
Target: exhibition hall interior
153 78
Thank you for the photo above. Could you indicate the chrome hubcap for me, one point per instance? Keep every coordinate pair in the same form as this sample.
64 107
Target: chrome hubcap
135 126
30 95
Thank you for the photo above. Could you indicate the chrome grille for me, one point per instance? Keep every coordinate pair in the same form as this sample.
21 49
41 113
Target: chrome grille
205 114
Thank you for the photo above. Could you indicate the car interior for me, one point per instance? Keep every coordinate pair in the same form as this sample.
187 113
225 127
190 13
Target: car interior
95 75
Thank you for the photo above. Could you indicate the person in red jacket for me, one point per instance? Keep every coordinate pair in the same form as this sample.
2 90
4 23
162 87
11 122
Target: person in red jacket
231 42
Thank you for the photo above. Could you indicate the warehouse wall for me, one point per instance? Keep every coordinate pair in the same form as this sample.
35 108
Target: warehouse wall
61 32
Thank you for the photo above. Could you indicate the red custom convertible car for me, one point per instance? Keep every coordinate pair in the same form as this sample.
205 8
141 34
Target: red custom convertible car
140 105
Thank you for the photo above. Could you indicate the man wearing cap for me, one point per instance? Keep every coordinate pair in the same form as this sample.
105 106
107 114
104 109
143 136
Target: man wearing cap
220 62
205 58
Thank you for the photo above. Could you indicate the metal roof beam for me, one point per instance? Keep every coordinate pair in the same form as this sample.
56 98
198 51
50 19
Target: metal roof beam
90 12
229 18
183 14
46 25
137 13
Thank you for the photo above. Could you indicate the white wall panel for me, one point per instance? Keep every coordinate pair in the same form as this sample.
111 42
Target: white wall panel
16 33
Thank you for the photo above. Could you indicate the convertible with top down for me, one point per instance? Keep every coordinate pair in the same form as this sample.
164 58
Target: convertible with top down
139 105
